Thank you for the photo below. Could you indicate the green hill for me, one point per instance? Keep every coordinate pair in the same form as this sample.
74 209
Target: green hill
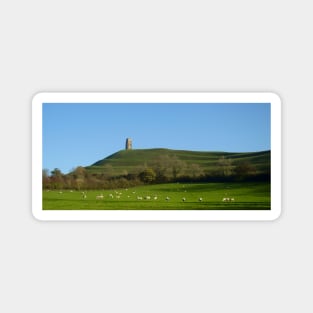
129 161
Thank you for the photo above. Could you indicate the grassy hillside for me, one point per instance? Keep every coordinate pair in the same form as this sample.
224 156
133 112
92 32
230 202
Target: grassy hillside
128 161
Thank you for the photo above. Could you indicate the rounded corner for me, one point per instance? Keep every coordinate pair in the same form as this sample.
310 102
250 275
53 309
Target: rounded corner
275 97
37 97
37 216
276 215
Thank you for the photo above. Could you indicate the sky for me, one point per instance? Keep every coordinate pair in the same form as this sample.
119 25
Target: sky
82 134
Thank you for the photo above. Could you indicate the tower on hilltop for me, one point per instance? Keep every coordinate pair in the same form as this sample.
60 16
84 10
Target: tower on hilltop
129 144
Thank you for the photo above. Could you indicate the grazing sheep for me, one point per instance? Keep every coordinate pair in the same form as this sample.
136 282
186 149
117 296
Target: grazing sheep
84 195
228 199
155 198
184 199
200 199
99 197
147 197
139 198
167 198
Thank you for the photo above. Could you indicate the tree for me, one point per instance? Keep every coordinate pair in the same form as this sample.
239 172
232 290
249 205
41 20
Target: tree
161 167
177 166
45 179
244 170
195 170
79 172
224 166
79 175
148 175
167 167
57 180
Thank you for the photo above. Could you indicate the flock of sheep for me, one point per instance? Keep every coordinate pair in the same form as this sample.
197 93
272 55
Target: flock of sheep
117 195
155 197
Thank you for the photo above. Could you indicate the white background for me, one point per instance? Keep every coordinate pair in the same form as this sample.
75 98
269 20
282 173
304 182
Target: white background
155 46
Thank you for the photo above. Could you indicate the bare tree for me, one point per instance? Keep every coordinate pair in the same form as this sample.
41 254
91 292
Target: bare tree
225 166
195 170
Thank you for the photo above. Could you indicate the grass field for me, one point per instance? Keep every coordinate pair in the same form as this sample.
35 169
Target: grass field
246 195
129 160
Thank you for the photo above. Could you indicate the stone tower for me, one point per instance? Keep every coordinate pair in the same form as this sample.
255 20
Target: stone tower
129 144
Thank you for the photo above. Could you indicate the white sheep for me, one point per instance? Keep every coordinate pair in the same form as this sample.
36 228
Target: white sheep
99 197
228 199
200 199
167 198
184 199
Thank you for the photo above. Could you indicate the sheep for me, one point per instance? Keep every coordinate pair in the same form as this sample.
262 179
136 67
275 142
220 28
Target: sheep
155 197
228 199
200 199
99 197
139 198
84 195
184 199
167 198
147 197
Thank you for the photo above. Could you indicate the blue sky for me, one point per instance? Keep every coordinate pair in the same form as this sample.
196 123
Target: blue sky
81 134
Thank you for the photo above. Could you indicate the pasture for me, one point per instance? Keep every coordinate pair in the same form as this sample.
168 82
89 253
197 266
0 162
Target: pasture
175 196
129 160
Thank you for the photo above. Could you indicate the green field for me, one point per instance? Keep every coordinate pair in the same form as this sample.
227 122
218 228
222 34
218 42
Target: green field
246 196
129 160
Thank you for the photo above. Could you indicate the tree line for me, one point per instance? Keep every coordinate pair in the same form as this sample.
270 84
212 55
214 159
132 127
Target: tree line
164 169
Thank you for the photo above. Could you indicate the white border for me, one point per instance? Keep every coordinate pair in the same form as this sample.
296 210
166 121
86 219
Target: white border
156 215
